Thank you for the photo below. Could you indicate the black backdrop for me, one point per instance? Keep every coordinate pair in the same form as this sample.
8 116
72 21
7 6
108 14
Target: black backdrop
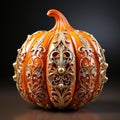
22 17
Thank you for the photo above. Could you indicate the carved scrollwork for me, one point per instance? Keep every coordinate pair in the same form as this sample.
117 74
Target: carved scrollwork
35 81
61 72
103 67
18 64
87 72
35 87
35 74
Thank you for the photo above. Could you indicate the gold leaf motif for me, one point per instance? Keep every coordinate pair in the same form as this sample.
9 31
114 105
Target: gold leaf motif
61 72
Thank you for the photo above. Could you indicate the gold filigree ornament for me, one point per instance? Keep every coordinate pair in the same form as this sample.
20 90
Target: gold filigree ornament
61 68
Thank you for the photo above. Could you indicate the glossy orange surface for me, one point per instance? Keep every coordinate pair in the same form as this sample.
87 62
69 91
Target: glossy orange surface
61 68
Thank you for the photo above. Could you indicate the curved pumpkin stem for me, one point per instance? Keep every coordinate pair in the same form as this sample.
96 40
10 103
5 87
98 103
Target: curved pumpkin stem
61 22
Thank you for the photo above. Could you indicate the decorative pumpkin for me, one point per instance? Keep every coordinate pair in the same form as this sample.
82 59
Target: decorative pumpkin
60 68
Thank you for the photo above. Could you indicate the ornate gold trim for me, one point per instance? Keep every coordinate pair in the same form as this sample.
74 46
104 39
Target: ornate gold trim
61 72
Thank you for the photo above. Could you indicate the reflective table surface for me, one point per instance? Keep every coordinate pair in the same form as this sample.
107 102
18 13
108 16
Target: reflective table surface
106 107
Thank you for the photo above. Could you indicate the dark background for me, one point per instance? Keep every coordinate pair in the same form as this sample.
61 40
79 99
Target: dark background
98 17
23 17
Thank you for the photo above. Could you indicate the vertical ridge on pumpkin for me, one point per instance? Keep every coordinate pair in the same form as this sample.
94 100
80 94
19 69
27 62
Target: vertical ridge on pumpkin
61 22
61 85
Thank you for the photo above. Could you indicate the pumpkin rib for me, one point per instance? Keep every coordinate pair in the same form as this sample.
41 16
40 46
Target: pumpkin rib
89 39
74 36
28 56
97 48
60 39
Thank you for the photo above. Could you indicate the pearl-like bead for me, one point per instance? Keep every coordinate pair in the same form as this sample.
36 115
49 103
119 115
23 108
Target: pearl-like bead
61 70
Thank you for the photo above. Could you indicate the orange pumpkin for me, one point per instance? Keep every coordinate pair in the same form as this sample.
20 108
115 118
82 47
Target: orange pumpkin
61 68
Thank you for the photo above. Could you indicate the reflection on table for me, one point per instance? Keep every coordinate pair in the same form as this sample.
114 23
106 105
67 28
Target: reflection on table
53 115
